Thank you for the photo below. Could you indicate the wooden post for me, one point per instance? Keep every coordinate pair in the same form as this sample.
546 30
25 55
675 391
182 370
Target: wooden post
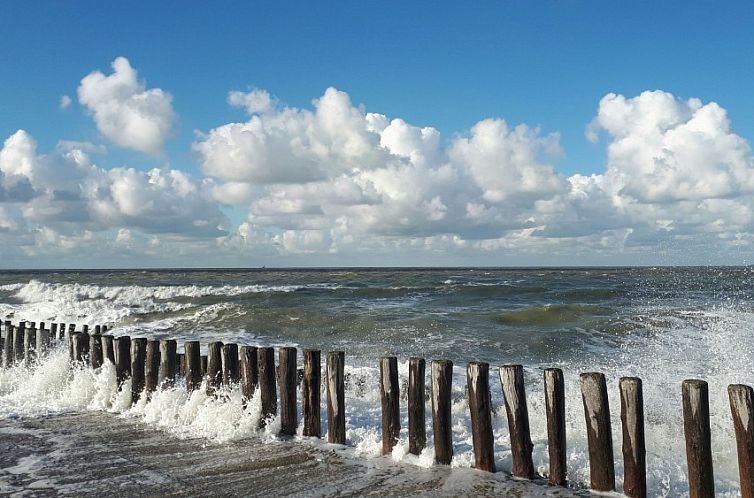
79 342
514 394
310 393
599 431
5 337
8 354
18 342
108 351
204 363
634 449
53 331
61 331
30 344
390 396
138 357
71 328
742 410
214 367
442 386
42 341
152 366
336 397
95 351
122 350
97 329
168 362
87 339
181 363
267 383
556 425
230 364
288 405
192 364
248 368
478 385
698 441
417 425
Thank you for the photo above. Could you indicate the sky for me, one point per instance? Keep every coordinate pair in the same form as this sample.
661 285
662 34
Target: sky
246 134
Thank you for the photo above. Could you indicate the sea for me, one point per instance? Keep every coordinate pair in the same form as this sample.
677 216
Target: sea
662 324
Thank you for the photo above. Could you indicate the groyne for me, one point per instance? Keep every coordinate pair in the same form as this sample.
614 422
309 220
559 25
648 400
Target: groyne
149 364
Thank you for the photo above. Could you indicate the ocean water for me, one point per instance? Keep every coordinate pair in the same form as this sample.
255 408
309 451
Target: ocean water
661 324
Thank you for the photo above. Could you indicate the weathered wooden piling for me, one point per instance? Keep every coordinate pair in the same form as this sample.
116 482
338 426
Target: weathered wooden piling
214 367
599 431
152 366
122 353
108 349
138 357
634 448
267 383
96 358
30 344
442 385
556 425
336 397
248 369
86 343
310 393
71 328
61 331
181 359
192 364
478 384
231 373
43 341
204 363
54 331
390 399
77 342
696 428
288 375
97 330
18 342
514 394
168 362
8 354
417 425
741 399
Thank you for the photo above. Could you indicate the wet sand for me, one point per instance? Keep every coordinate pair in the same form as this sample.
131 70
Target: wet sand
98 454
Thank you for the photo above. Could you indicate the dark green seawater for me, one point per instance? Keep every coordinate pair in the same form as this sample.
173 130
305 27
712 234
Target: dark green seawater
661 324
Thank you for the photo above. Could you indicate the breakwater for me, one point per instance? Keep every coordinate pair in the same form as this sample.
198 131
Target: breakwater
143 365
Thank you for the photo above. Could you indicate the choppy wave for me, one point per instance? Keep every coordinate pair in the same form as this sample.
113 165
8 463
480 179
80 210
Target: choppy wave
90 304
551 315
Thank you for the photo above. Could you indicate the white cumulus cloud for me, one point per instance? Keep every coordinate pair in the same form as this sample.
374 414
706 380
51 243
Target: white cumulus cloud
125 111
665 149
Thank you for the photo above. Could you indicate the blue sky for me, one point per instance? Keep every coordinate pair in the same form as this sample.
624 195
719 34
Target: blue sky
442 65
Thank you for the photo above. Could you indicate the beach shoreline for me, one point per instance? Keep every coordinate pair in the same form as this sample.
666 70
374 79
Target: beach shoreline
98 453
